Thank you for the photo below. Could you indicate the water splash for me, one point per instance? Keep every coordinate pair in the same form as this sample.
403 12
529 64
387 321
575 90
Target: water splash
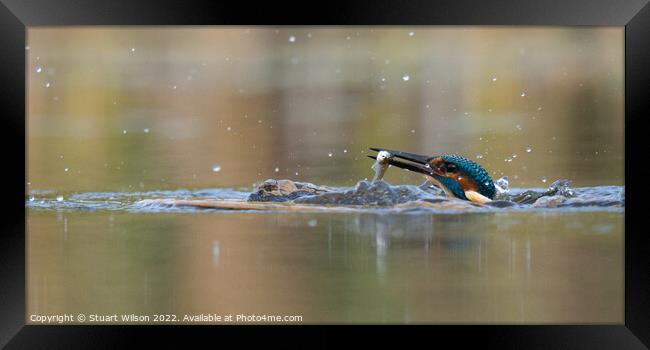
364 196
502 186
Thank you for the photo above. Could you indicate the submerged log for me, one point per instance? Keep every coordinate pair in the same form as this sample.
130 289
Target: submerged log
244 205
272 190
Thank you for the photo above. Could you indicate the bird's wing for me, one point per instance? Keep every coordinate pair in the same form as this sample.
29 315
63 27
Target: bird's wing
476 197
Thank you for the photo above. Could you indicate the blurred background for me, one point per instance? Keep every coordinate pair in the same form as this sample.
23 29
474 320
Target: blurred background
153 108
143 108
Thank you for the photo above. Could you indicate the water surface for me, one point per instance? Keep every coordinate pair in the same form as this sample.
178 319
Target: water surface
541 266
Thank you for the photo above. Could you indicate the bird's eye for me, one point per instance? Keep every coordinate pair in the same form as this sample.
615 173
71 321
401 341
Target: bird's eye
450 167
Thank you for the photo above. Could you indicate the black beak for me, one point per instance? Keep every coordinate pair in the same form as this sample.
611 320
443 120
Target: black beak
418 163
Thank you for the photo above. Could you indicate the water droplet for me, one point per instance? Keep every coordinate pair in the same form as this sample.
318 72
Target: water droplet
66 170
518 127
123 131
411 33
296 173
502 185
528 150
59 199
523 94
406 77
329 155
146 130
345 151
133 49
216 168
292 39
228 128
494 79
383 79
174 87
479 156
39 69
539 108
412 131
276 169
27 47
312 223
31 198
543 179
47 85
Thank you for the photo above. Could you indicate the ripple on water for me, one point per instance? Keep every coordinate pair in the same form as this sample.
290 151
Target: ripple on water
364 196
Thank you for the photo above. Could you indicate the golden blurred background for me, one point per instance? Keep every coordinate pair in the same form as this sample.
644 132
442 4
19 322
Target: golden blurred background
143 108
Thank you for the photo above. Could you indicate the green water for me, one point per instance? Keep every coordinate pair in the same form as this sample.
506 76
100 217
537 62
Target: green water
542 267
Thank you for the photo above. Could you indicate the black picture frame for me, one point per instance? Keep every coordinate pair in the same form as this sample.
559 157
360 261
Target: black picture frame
16 15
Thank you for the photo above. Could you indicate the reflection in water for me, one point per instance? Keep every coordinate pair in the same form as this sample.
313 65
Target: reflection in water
381 242
215 253
368 267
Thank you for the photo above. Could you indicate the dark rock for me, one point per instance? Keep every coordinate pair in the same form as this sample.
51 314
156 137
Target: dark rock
284 190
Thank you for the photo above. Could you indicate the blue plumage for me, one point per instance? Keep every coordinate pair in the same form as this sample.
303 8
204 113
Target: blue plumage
471 169
456 174
452 185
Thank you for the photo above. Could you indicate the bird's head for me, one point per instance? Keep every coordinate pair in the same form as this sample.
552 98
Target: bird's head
455 174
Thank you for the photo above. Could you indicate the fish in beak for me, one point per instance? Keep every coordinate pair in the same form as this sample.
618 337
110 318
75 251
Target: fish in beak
458 176
416 163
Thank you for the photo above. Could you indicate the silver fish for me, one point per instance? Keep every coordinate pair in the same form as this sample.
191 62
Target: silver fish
381 164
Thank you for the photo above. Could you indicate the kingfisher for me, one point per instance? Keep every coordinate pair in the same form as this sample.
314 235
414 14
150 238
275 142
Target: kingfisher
457 176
